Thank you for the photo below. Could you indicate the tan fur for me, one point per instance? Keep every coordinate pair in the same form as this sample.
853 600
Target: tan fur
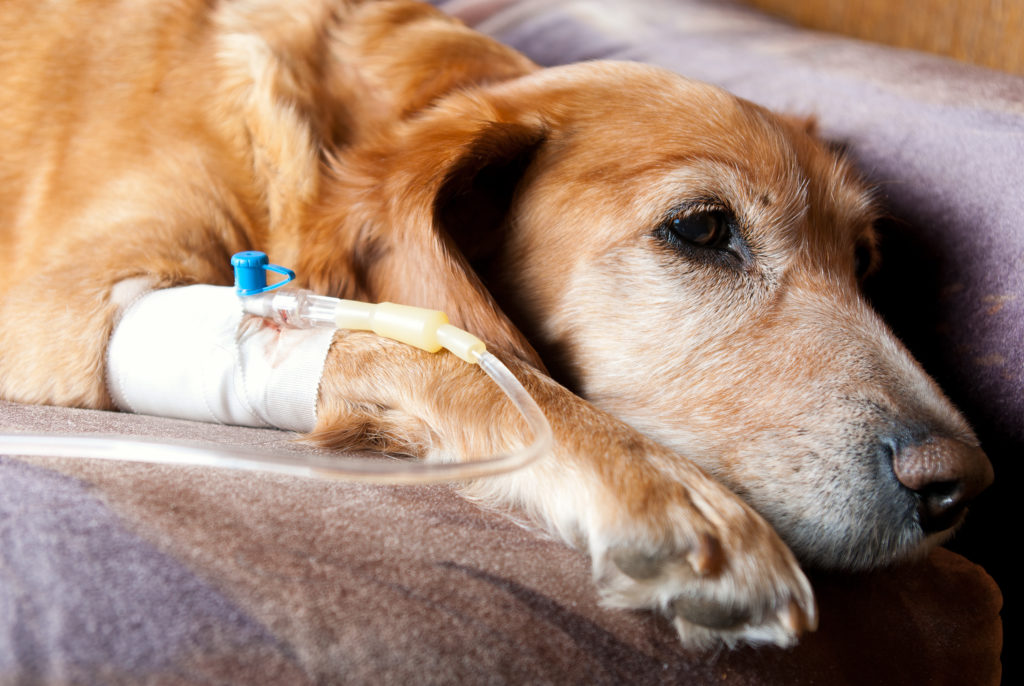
388 153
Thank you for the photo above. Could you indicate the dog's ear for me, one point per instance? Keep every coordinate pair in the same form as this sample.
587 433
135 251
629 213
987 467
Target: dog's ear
420 214
471 218
473 203
807 124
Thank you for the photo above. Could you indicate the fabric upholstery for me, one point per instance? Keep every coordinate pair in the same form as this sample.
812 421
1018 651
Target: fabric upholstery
117 573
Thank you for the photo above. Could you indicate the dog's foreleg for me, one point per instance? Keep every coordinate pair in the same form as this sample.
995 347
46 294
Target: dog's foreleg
56 320
662 535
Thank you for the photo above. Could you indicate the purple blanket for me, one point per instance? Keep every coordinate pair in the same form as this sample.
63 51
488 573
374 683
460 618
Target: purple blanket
126 573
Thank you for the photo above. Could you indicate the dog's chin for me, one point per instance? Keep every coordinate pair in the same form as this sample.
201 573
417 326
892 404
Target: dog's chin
883 533
858 553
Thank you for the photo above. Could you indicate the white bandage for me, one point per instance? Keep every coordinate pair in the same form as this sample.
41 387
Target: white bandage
191 353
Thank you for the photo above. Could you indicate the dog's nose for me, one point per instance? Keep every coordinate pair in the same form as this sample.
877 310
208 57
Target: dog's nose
944 475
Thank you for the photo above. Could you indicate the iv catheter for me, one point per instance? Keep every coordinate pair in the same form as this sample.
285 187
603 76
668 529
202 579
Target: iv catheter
294 308
422 328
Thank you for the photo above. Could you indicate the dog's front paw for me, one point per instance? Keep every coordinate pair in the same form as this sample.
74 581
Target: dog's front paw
711 564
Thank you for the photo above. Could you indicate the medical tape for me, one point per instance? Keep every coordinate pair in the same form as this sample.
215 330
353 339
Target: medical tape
191 353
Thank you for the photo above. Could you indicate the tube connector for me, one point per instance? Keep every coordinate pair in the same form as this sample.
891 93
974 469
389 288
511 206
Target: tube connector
461 343
416 326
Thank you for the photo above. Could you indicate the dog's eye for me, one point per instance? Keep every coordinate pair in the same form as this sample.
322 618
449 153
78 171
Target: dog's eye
704 229
863 259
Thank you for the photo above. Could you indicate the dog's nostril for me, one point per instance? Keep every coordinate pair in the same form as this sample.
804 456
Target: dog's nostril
945 475
942 489
940 505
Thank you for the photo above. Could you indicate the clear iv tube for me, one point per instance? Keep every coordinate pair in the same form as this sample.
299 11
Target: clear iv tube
303 309
328 468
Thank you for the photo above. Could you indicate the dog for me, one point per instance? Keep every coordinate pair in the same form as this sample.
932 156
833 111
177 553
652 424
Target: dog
672 272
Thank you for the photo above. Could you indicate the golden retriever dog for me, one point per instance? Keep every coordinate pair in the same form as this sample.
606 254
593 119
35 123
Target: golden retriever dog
672 272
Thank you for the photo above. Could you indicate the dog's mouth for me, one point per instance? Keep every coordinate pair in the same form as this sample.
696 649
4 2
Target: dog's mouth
919 497
864 504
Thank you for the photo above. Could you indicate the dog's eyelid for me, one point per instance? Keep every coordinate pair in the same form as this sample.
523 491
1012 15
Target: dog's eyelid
701 204
702 225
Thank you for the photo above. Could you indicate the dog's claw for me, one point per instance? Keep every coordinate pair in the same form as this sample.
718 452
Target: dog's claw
706 557
796 619
791 618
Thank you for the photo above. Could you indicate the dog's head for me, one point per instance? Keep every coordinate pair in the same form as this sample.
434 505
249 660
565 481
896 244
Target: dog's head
690 263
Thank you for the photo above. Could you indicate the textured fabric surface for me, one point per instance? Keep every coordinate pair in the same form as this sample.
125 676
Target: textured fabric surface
119 573
125 573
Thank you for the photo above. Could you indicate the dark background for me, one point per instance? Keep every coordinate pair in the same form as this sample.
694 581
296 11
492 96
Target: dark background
909 291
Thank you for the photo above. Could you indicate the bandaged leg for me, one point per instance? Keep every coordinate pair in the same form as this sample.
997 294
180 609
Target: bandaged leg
191 353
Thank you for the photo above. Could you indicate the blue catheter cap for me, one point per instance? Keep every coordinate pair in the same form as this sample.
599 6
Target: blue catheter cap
251 269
